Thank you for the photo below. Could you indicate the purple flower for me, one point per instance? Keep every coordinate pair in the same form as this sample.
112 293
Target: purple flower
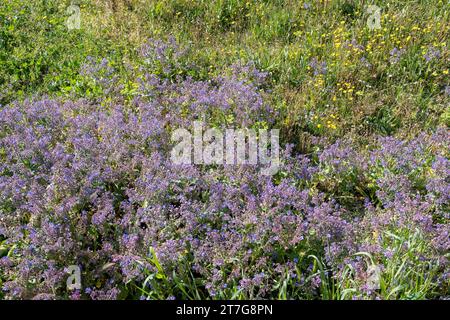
395 55
319 67
432 53
447 90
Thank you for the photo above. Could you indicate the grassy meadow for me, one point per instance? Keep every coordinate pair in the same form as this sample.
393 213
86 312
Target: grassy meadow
86 113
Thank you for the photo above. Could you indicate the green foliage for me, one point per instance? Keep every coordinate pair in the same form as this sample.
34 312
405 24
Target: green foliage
405 276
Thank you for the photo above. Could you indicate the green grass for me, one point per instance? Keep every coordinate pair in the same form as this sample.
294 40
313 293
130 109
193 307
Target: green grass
39 55
405 275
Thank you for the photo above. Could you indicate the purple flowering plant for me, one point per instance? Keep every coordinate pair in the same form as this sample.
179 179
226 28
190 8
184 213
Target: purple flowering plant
90 183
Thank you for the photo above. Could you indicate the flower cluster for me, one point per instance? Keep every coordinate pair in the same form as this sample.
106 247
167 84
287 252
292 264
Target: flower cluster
93 186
